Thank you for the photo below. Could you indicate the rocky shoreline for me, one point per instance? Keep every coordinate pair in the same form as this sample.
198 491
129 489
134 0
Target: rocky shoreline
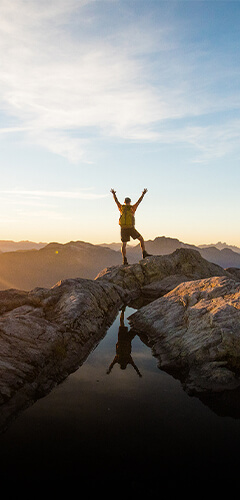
191 321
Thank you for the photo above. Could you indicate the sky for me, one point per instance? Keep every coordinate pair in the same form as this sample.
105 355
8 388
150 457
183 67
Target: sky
123 94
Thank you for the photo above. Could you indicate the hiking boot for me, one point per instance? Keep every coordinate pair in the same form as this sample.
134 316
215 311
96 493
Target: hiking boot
145 254
125 262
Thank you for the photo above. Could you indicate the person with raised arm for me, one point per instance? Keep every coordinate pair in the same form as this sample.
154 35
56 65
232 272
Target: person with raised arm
127 224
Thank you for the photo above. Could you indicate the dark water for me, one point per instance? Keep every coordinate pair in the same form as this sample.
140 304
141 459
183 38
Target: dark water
131 430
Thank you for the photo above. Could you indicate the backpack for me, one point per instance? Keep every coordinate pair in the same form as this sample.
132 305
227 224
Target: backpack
126 218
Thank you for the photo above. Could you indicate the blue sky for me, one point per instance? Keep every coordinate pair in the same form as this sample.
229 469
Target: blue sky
101 94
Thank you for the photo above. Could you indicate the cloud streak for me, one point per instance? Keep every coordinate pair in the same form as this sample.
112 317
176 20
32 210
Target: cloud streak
54 83
73 195
68 86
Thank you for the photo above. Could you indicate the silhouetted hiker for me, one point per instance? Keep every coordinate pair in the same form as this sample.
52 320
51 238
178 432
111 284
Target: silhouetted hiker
127 223
124 347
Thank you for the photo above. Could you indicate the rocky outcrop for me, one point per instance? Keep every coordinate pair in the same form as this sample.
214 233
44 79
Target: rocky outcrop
45 334
195 333
155 276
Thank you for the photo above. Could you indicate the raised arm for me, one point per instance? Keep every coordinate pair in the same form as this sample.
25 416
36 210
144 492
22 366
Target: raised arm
140 199
115 199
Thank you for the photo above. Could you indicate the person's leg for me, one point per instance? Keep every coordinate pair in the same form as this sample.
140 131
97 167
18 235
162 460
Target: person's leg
124 248
124 252
125 237
142 245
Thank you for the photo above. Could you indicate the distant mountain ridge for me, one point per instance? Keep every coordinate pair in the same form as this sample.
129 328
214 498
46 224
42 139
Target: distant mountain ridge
44 267
163 245
13 246
54 262
224 258
167 241
221 246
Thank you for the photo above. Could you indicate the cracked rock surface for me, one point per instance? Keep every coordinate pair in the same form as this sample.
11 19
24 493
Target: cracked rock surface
195 331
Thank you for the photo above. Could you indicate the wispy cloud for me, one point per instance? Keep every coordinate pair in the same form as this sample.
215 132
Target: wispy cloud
208 142
57 82
63 81
25 205
13 130
81 195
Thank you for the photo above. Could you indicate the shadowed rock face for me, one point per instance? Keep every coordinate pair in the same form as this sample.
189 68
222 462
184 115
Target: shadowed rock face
45 334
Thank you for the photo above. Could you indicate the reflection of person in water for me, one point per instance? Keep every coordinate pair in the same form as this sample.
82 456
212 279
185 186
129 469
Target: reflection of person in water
123 347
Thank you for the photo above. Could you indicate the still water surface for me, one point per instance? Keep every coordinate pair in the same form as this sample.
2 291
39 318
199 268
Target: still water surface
120 424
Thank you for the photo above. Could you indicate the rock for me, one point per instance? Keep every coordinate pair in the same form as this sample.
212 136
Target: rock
195 333
234 271
45 334
160 288
157 275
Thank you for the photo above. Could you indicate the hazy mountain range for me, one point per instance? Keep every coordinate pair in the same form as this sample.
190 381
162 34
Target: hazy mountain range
221 246
27 269
26 265
165 241
12 246
220 253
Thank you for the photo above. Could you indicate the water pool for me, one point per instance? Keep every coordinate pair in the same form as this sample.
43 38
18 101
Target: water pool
119 423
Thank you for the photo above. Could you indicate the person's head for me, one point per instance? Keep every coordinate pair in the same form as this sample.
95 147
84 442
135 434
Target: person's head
127 201
123 365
